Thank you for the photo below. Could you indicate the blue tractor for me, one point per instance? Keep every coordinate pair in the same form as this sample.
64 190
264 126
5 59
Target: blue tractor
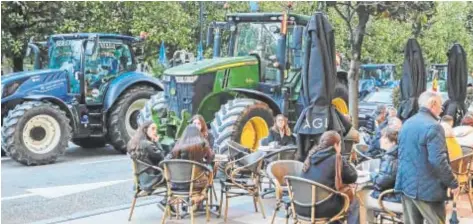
374 76
90 93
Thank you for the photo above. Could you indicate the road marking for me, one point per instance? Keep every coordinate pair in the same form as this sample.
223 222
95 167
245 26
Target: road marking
5 158
18 196
104 161
61 191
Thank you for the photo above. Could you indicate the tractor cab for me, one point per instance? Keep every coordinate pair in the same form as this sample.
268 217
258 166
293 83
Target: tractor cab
373 76
438 72
90 92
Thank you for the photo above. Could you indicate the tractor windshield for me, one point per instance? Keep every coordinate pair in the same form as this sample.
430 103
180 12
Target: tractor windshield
439 72
64 53
259 38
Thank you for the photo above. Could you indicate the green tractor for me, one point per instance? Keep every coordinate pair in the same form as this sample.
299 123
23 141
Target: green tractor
239 94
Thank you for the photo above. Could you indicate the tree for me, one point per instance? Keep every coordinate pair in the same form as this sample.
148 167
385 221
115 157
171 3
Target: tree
22 20
356 16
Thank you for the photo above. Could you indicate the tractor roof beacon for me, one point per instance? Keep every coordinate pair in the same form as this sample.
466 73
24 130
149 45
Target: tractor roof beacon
90 93
239 93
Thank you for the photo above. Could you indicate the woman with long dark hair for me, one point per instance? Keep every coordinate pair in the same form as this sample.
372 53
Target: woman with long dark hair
193 146
280 133
325 165
200 123
144 146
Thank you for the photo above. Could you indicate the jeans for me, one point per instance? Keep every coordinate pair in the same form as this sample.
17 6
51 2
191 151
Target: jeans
416 211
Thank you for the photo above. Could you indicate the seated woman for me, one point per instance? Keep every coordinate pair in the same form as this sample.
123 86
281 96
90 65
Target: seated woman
464 133
200 123
144 146
320 166
454 149
280 133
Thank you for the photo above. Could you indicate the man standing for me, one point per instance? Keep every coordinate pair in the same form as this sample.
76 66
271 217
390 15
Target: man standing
424 173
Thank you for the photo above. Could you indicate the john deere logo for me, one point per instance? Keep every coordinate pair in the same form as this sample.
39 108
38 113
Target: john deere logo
172 91
249 81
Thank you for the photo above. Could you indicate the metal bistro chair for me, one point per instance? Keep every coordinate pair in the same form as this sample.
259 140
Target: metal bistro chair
284 153
276 171
299 195
249 183
461 169
138 168
394 214
187 182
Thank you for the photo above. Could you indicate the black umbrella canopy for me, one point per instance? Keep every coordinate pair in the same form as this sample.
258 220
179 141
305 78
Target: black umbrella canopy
413 81
318 79
457 79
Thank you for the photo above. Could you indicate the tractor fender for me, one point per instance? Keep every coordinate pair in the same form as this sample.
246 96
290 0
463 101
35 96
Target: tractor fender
60 103
125 81
255 94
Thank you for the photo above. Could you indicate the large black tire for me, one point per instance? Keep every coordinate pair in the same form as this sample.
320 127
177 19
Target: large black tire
232 116
17 120
89 143
118 133
155 103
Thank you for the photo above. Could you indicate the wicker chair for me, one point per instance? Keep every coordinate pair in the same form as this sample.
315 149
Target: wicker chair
158 189
242 174
309 194
276 171
284 153
360 153
187 183
394 215
461 169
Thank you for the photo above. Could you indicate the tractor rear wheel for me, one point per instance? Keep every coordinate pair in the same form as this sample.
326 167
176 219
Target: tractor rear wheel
246 121
36 133
155 103
123 119
89 143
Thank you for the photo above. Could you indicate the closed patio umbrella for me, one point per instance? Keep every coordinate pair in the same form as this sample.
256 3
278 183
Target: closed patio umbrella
413 81
318 79
457 78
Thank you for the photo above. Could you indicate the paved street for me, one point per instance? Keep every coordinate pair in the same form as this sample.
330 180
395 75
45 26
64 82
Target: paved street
95 186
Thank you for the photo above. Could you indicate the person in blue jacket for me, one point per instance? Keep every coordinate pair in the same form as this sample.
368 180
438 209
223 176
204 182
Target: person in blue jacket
424 173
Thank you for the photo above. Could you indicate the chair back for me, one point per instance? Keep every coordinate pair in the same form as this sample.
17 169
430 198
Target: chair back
461 166
251 161
277 170
235 150
285 153
307 194
178 171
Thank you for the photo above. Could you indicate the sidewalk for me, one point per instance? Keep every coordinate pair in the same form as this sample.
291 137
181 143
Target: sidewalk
241 211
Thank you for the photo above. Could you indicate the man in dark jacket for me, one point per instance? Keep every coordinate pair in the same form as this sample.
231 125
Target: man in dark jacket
424 173
380 122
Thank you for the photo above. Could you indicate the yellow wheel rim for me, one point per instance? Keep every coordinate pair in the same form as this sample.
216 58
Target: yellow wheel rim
340 105
253 131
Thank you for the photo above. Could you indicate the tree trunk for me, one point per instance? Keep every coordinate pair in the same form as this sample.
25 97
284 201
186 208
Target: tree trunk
17 64
357 42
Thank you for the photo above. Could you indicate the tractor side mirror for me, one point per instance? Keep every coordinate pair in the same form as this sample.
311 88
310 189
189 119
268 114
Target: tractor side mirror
210 36
297 38
91 45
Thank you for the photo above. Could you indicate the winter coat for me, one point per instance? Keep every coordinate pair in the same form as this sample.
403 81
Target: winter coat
152 154
464 135
386 177
424 170
274 136
374 150
322 170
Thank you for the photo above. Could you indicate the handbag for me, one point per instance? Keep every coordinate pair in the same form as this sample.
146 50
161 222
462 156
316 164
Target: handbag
343 188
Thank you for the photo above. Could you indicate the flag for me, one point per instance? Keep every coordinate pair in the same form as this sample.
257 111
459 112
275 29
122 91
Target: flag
162 55
254 6
435 84
200 52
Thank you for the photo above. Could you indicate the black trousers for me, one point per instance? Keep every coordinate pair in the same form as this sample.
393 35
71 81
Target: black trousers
416 211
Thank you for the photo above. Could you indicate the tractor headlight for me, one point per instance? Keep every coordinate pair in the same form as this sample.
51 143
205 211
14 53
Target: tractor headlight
166 78
186 79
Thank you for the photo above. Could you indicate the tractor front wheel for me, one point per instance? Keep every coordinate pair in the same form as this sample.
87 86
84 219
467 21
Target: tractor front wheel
36 133
246 121
123 118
